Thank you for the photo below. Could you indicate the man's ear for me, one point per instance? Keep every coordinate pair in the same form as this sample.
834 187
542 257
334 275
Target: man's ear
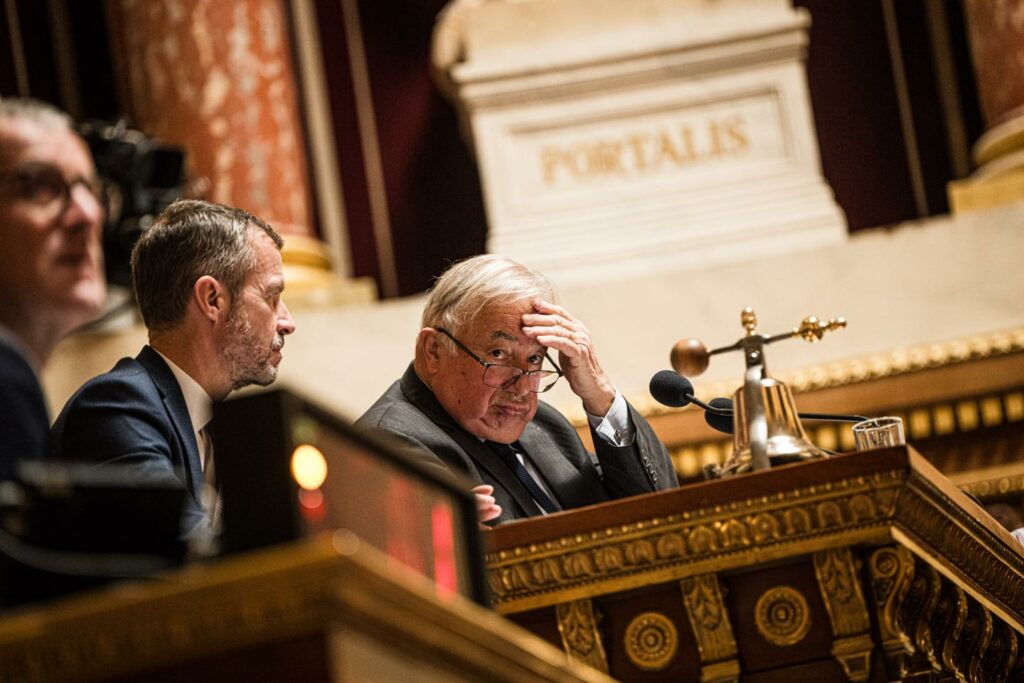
428 347
211 297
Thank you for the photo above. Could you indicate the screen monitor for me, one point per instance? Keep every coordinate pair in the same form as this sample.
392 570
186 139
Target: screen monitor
288 468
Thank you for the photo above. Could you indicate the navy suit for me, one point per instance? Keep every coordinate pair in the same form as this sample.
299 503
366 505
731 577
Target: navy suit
135 416
24 422
409 411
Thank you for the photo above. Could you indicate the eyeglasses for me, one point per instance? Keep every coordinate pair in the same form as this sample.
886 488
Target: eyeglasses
504 376
44 185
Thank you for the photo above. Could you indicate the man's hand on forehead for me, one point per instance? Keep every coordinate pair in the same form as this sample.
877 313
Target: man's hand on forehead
554 327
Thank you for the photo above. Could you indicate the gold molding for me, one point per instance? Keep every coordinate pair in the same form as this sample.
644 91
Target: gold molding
700 541
782 616
709 620
892 363
944 418
838 582
992 483
651 641
581 637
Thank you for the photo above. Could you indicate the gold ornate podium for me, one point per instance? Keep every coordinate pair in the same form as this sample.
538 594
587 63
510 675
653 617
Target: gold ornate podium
328 608
863 567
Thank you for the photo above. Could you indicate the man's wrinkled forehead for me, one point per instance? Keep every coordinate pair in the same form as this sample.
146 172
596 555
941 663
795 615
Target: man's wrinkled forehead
517 337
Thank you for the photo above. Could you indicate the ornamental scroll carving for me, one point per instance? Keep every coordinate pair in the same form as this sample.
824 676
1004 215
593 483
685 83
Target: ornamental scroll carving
581 637
930 627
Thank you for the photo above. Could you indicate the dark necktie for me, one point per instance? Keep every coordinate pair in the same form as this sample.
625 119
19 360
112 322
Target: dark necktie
508 455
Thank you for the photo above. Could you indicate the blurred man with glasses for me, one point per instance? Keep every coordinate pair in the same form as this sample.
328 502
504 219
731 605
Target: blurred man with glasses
469 399
51 271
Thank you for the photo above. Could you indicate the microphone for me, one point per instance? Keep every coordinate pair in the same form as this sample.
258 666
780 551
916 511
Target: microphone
721 419
672 389
717 421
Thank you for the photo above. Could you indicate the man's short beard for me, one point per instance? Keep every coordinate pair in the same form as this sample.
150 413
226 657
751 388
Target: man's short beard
249 361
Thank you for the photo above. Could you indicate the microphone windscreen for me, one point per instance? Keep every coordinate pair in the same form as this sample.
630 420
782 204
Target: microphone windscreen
671 389
720 423
721 402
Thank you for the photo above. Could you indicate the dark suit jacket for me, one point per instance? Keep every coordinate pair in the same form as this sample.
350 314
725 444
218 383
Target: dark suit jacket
135 416
409 411
24 422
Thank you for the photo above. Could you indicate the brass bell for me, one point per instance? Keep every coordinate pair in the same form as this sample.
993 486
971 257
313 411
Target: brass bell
785 439
766 427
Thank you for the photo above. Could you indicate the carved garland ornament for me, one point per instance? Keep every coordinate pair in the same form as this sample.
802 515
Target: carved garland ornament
782 616
651 641
577 624
847 610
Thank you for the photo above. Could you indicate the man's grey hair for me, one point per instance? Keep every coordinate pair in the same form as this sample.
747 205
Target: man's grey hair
477 283
36 111
190 239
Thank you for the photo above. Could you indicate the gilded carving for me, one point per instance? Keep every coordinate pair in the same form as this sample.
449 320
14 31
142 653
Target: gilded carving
847 610
919 609
953 533
221 618
840 589
1001 653
581 638
711 627
525 574
782 616
950 615
892 571
972 645
651 641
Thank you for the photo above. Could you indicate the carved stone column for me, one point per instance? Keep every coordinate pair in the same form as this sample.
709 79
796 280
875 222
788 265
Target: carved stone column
617 139
996 34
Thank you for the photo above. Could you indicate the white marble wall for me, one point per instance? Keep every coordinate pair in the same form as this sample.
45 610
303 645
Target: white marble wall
616 139
934 281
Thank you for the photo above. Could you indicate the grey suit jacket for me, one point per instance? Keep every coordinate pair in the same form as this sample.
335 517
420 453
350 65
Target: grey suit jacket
135 416
409 411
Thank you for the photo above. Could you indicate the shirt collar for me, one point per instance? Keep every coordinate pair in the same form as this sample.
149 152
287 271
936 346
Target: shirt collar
197 401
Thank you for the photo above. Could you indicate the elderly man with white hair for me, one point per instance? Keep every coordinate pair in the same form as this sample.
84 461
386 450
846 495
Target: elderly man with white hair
469 399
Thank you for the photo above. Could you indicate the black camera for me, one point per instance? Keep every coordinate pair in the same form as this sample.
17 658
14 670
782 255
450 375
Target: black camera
143 177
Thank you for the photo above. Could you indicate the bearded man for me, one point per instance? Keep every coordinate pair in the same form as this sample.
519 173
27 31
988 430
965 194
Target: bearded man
208 280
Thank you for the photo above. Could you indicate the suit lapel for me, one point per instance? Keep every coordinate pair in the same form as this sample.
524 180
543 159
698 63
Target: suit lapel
559 474
423 398
174 400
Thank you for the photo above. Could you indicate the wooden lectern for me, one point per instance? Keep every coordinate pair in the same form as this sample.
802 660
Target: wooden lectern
863 567
327 608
